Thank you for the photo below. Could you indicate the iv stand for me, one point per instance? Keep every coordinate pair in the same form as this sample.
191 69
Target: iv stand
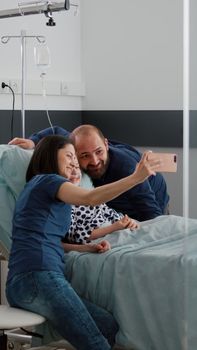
23 37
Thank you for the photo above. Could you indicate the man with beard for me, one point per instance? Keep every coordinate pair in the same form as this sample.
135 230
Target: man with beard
107 161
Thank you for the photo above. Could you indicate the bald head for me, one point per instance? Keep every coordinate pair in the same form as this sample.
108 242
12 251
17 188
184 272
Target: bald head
92 149
86 130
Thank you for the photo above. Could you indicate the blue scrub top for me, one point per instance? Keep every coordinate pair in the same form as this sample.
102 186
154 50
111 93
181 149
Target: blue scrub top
40 222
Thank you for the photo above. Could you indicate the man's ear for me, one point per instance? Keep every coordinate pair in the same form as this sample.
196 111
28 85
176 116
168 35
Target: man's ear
106 144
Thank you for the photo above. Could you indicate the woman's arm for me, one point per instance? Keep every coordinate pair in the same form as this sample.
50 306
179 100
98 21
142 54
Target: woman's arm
79 196
100 247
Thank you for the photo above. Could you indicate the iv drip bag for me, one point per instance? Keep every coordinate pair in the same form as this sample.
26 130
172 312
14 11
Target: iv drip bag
42 57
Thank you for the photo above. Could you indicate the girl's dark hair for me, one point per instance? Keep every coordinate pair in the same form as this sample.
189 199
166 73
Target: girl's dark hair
44 159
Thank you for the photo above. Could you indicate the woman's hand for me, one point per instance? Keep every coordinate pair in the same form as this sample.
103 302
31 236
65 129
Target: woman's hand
146 167
23 143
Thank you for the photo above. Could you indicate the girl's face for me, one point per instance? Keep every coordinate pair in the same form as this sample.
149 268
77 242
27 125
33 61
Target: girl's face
67 161
76 174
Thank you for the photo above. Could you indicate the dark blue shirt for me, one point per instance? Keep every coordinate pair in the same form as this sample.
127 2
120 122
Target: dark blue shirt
144 201
55 130
39 224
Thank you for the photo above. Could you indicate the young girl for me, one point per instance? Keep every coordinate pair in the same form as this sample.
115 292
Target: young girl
36 280
92 222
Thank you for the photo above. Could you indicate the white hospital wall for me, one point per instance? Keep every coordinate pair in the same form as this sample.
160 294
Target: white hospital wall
63 41
132 54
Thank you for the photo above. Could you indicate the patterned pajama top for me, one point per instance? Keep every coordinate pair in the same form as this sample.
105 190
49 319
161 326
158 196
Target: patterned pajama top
84 219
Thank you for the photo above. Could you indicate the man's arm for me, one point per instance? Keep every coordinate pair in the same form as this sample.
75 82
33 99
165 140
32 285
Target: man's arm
139 203
35 138
55 130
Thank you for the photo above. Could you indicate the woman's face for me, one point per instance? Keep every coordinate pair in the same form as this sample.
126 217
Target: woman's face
67 161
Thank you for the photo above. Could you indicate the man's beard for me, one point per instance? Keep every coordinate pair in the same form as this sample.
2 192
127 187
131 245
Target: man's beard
97 173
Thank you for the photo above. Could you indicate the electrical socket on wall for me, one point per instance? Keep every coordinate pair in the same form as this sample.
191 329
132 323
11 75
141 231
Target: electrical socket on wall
53 88
15 85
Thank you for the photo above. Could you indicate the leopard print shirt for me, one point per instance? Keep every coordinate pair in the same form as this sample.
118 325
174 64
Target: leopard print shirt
84 219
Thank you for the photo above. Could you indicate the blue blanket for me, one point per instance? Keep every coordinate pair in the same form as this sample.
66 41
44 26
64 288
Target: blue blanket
148 280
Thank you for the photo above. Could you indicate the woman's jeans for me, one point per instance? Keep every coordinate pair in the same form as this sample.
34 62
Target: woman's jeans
49 294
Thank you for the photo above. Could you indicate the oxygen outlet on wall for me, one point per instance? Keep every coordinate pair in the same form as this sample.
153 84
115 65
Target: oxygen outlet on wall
15 85
64 88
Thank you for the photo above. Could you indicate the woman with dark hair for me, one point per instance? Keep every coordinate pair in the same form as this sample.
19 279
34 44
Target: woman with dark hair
36 280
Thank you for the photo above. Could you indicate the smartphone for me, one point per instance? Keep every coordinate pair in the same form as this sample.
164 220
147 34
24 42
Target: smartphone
168 161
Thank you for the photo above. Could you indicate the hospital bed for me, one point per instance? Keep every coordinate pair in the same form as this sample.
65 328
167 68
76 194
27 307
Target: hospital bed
148 279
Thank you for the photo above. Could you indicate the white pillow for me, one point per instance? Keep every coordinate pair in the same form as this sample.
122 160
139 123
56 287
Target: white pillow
13 165
86 181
